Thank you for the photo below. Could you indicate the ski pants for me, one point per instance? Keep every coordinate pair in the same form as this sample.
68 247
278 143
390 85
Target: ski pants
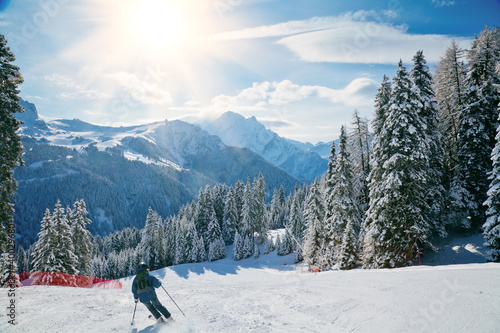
155 307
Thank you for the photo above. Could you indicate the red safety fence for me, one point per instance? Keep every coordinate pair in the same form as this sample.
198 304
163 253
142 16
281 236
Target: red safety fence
65 280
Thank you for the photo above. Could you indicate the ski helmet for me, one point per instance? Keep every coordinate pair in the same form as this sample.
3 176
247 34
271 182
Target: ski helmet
143 265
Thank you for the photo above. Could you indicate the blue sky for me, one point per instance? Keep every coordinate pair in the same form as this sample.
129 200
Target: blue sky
300 67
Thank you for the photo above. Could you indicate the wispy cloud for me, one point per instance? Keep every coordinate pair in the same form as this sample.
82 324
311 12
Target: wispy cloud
303 26
354 37
443 3
73 90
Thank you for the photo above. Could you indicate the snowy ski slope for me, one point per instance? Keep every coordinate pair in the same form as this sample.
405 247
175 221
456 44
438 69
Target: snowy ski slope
265 295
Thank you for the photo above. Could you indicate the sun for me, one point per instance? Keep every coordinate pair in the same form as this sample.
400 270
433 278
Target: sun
159 24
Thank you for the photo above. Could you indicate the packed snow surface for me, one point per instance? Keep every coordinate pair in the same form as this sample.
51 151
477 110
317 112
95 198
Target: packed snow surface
267 295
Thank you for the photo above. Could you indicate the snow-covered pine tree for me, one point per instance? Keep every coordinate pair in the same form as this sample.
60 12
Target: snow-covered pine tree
219 192
64 248
230 219
169 234
330 181
277 244
268 246
449 87
181 247
151 244
237 247
202 255
275 211
429 112
477 125
314 214
345 205
203 211
248 247
492 226
192 241
81 237
10 139
398 200
382 100
259 204
358 141
247 211
285 244
22 260
213 230
285 207
216 245
216 250
296 223
349 249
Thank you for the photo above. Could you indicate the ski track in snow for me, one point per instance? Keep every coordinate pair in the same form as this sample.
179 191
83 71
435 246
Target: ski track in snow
225 297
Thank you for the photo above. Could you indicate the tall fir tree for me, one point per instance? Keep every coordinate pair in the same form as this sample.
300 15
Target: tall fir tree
449 87
477 125
429 112
81 237
330 180
259 204
296 223
359 139
247 213
151 245
349 249
230 219
10 140
492 225
64 242
314 214
237 247
382 100
396 217
345 204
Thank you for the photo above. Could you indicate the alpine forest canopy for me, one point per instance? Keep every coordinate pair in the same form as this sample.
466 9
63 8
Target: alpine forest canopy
429 169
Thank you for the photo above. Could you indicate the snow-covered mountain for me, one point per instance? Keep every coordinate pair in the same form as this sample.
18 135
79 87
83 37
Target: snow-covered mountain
303 160
121 171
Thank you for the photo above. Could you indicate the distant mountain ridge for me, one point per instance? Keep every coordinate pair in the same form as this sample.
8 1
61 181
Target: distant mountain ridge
121 171
302 160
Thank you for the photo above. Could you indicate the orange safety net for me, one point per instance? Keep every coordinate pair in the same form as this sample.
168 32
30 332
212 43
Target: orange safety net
65 280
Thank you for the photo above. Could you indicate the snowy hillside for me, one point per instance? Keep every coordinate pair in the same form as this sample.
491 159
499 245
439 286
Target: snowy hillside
267 295
299 159
121 171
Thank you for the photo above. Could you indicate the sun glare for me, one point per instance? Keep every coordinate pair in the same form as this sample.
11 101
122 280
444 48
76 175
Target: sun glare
159 24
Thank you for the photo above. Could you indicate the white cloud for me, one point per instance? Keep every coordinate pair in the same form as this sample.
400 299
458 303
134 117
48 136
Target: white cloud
72 90
443 3
301 112
367 42
354 37
261 95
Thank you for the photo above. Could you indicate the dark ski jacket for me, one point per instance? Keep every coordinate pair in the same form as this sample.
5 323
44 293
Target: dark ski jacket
147 294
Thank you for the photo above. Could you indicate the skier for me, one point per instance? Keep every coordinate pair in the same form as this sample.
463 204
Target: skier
143 288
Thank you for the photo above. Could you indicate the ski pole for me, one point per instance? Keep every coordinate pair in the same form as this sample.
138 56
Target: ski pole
132 323
173 301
